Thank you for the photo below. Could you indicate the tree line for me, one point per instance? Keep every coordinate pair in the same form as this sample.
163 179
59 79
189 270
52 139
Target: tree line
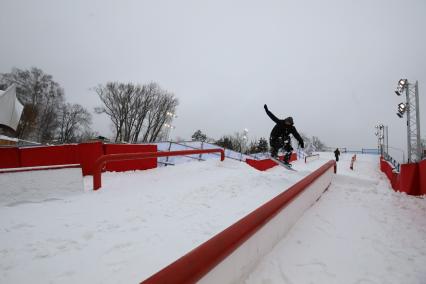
46 116
139 113
239 143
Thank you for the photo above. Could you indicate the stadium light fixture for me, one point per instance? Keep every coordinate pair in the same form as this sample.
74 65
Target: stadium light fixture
171 114
402 84
402 108
169 126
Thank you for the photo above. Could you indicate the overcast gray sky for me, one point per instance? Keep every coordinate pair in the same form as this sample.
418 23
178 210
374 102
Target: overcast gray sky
332 64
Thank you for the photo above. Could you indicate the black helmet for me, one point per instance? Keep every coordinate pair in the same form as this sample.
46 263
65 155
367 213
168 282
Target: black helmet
289 121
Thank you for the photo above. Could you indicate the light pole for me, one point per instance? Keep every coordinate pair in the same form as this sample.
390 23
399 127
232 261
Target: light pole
245 135
170 116
380 133
169 128
411 108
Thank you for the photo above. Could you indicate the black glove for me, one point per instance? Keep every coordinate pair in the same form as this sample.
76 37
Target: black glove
302 145
265 107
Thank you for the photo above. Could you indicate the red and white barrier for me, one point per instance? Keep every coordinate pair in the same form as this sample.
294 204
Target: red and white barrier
230 256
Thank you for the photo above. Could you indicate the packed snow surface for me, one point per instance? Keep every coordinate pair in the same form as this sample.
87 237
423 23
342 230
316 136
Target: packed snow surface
135 225
360 231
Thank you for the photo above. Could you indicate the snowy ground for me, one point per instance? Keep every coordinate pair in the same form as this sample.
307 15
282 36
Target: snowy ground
135 225
360 231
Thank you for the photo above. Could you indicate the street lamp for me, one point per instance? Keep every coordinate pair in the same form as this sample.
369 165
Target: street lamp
243 143
169 127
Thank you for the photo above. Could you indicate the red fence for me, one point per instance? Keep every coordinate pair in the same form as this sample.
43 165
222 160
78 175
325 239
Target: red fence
411 179
84 154
101 161
128 165
422 177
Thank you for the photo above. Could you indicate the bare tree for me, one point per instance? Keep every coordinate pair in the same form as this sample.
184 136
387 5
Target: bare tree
74 122
143 104
163 104
136 110
41 97
115 98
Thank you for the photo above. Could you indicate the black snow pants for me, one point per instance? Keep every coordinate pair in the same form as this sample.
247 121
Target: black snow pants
281 142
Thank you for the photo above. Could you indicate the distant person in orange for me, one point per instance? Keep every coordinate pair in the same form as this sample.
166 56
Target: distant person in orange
337 154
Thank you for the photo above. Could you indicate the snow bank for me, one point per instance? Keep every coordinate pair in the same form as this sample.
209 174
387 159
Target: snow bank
39 185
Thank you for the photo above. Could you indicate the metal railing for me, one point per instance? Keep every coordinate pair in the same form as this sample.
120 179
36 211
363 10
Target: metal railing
101 161
391 160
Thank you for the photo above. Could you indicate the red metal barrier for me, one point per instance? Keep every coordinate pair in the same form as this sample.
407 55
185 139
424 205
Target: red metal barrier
129 165
49 155
198 262
261 165
100 163
88 153
9 157
422 177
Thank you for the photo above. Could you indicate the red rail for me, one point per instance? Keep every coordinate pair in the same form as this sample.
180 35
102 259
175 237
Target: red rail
100 162
198 262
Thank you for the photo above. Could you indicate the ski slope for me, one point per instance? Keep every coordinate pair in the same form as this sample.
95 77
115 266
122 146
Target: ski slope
141 221
360 231
135 225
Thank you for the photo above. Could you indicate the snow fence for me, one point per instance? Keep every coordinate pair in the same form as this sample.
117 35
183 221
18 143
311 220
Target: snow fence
232 254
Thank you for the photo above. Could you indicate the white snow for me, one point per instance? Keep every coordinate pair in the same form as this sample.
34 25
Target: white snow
139 222
360 231
135 225
7 138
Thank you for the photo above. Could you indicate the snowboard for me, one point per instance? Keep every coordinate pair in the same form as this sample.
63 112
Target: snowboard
281 163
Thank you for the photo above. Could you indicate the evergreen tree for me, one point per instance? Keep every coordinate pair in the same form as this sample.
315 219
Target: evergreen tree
199 136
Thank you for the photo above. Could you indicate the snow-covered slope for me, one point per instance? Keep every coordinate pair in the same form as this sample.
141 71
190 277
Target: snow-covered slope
360 231
135 225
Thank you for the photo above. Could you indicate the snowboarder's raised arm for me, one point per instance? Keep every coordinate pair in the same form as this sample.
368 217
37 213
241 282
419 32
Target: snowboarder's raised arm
270 114
298 137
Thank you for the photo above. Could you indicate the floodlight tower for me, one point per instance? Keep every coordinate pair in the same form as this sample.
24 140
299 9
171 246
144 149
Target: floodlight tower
381 130
411 107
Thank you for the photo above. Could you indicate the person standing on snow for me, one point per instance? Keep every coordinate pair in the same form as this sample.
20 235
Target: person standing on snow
337 154
280 135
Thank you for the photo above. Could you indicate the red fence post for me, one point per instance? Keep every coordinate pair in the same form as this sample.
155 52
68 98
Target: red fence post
100 162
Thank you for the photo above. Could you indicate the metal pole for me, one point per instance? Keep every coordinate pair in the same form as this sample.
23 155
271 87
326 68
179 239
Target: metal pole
419 145
387 140
407 92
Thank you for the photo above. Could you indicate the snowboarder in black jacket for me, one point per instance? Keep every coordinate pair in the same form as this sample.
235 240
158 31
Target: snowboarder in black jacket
337 154
280 135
